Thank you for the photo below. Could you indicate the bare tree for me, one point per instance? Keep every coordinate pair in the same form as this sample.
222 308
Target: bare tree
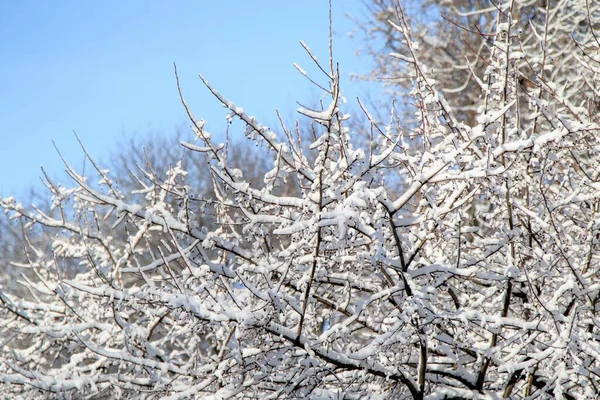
356 286
137 158
454 39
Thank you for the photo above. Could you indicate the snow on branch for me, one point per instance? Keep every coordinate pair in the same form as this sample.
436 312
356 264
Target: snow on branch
455 255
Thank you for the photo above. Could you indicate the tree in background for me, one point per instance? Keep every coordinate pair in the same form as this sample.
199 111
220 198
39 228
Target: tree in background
147 156
473 275
455 43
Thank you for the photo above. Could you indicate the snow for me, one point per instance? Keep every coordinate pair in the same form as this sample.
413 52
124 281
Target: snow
451 251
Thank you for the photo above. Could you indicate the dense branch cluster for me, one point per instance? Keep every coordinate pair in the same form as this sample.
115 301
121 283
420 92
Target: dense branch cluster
450 258
457 38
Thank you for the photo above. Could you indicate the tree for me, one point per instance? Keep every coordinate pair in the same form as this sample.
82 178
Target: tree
473 275
134 160
454 43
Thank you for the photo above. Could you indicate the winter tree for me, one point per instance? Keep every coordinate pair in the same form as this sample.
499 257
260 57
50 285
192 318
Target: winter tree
152 151
452 257
454 37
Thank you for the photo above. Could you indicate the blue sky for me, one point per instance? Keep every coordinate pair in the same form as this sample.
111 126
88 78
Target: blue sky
104 69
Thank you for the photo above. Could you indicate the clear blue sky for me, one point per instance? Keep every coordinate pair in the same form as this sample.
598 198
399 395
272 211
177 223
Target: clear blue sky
104 69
